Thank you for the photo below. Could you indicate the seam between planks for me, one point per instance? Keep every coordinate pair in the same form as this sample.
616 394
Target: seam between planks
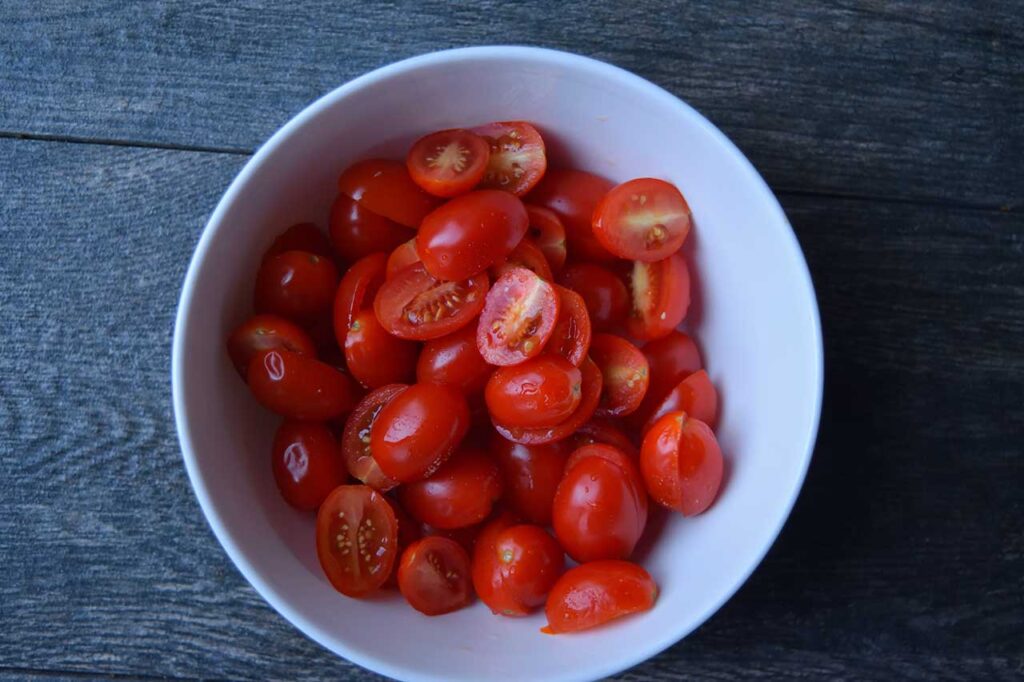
241 151
86 674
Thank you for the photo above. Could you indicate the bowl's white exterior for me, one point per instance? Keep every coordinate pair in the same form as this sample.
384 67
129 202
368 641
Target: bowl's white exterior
754 313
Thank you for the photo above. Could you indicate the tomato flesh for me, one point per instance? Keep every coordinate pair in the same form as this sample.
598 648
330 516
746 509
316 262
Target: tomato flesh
548 233
415 305
266 332
598 592
518 318
518 158
681 463
434 576
376 358
404 255
572 335
356 539
306 464
514 573
356 231
355 440
385 188
540 392
661 297
298 386
625 372
644 219
460 493
525 255
448 162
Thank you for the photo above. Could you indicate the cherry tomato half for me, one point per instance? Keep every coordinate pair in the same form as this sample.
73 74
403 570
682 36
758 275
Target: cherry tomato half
643 219
301 237
548 233
531 474
266 332
305 462
605 294
460 493
600 508
588 403
515 572
385 188
695 395
404 255
355 440
671 359
518 157
537 393
571 337
595 593
356 231
376 358
448 162
297 285
518 318
625 372
682 463
299 386
356 292
434 576
417 431
415 305
661 297
356 539
525 255
470 233
454 360
573 195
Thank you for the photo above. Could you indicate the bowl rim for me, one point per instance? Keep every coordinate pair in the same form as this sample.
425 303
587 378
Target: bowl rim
588 670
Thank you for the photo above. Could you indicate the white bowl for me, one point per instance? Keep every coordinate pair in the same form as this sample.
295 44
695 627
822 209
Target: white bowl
754 313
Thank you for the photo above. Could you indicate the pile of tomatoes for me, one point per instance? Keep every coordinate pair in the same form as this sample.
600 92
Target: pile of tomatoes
465 346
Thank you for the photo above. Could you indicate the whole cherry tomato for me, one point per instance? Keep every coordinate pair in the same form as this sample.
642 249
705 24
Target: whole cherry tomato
661 297
355 440
643 219
625 372
356 539
385 187
682 463
514 573
531 474
695 395
518 318
301 237
518 157
356 231
540 392
605 294
600 508
418 430
572 334
470 233
573 195
306 463
415 305
597 592
299 386
449 162
376 358
297 285
434 576
266 332
454 360
460 493
548 233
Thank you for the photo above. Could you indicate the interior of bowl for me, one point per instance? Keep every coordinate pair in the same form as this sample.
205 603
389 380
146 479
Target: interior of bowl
754 314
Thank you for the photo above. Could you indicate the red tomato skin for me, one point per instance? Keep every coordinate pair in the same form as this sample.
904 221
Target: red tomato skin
510 142
418 430
548 234
338 542
605 294
355 440
518 318
540 392
515 573
454 360
473 152
385 188
416 306
682 464
572 335
525 255
531 474
356 292
459 494
403 256
376 358
297 285
299 387
266 332
668 307
301 237
671 359
470 233
602 431
356 232
305 462
695 395
573 195
626 375
592 594
434 576
616 230
599 511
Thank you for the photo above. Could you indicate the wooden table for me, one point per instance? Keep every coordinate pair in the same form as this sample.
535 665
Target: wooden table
893 133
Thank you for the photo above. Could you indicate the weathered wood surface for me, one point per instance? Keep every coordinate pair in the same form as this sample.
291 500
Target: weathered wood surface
903 557
915 100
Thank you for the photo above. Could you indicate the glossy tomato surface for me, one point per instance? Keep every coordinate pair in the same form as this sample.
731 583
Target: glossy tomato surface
266 332
573 195
604 293
355 440
596 593
449 162
356 291
572 335
376 358
518 157
539 392
525 255
297 285
356 231
518 318
356 539
671 359
531 474
404 255
660 294
514 573
306 463
625 372
460 493
604 431
454 360
548 233
385 188
434 576
644 219
299 386
695 395
416 305
681 463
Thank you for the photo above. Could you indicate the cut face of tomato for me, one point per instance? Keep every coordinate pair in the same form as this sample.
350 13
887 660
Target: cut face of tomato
448 162
681 463
598 592
518 158
355 441
356 539
356 292
434 576
548 233
625 371
573 195
661 297
385 187
525 255
571 338
404 255
695 395
518 318
643 219
415 305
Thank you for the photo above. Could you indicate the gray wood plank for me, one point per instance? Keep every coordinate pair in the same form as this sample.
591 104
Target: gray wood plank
903 99
903 556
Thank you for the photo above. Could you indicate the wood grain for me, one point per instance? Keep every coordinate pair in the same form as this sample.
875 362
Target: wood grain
894 99
903 557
